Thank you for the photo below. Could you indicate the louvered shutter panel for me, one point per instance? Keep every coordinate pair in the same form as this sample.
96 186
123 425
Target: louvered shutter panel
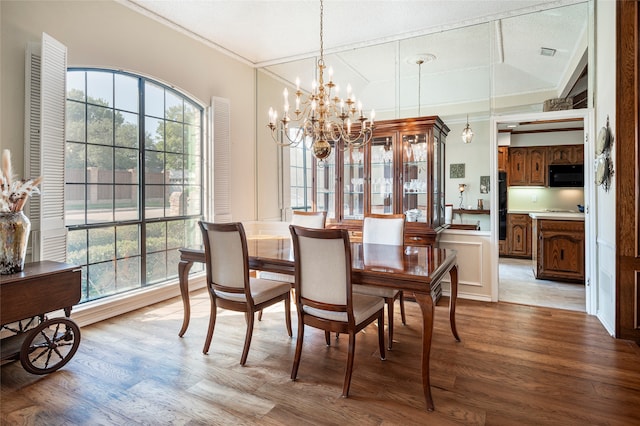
221 121
45 122
32 140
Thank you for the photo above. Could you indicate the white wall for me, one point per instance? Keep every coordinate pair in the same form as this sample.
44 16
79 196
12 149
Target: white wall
548 138
108 34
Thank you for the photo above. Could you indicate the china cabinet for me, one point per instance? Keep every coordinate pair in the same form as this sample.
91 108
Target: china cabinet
401 170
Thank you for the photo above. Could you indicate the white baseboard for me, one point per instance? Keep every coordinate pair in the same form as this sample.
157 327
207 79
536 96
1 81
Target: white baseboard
469 296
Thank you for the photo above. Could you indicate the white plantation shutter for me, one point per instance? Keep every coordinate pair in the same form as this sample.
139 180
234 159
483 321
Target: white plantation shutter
221 123
32 138
45 146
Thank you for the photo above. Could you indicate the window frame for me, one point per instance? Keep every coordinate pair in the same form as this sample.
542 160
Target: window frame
184 156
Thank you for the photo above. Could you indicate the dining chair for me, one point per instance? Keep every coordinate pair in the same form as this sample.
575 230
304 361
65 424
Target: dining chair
324 297
309 219
230 284
385 229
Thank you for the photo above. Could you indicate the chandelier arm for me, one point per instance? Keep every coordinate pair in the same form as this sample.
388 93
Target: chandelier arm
280 128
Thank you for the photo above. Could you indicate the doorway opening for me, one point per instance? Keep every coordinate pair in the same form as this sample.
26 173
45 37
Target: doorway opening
542 230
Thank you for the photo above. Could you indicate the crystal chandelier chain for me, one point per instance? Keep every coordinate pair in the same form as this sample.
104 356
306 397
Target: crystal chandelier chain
322 117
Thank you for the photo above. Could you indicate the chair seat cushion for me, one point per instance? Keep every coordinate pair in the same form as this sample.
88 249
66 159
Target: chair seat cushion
363 307
261 291
373 290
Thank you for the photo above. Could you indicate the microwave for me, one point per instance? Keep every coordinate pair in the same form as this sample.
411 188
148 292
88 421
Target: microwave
566 175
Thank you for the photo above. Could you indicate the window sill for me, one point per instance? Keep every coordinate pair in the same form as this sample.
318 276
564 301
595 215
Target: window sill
100 310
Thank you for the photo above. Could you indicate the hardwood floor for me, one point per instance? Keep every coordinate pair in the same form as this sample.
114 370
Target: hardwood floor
515 365
519 285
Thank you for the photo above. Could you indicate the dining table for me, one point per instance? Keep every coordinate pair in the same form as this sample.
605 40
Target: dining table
416 270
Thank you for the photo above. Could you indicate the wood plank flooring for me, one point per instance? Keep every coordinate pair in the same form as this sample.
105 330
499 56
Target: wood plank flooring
515 365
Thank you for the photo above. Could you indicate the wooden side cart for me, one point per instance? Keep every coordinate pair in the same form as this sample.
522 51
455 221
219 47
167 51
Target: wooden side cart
41 344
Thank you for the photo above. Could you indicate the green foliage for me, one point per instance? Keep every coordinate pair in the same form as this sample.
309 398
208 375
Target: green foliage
101 121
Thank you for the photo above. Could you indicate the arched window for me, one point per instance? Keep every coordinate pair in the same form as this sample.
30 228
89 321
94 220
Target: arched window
133 179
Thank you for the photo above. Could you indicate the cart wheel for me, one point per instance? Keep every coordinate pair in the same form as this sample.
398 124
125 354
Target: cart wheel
50 345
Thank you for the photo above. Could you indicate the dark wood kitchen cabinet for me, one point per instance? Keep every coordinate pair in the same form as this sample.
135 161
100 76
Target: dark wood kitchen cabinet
527 166
503 158
559 250
518 236
566 154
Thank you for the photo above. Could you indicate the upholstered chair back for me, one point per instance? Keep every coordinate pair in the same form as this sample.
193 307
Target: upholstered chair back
383 229
309 219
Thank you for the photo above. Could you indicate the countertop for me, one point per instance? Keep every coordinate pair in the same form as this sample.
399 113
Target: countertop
557 216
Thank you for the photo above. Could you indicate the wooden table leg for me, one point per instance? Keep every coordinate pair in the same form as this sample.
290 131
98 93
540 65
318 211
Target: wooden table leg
426 305
453 273
183 275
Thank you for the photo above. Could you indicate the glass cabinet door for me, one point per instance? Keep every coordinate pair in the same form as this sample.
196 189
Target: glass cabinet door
381 175
438 181
415 172
354 183
326 186
436 184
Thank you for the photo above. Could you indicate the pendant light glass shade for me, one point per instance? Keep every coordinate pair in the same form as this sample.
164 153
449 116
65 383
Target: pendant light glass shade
467 133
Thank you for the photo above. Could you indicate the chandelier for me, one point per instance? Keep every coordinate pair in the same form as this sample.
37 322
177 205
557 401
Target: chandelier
322 117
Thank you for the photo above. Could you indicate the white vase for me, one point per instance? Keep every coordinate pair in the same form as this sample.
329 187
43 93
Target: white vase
14 236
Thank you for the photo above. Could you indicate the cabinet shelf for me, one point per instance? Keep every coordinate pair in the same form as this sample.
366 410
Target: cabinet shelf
466 211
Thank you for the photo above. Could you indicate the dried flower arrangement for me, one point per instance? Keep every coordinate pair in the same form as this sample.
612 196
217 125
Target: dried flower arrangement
14 192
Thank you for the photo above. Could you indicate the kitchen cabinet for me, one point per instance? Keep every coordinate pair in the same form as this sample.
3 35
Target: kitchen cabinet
537 165
503 248
527 166
400 170
566 154
518 242
559 250
503 158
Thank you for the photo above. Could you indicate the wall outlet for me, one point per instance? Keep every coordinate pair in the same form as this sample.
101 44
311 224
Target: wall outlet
534 198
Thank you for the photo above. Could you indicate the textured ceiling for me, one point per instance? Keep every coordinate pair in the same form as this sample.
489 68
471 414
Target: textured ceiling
374 44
